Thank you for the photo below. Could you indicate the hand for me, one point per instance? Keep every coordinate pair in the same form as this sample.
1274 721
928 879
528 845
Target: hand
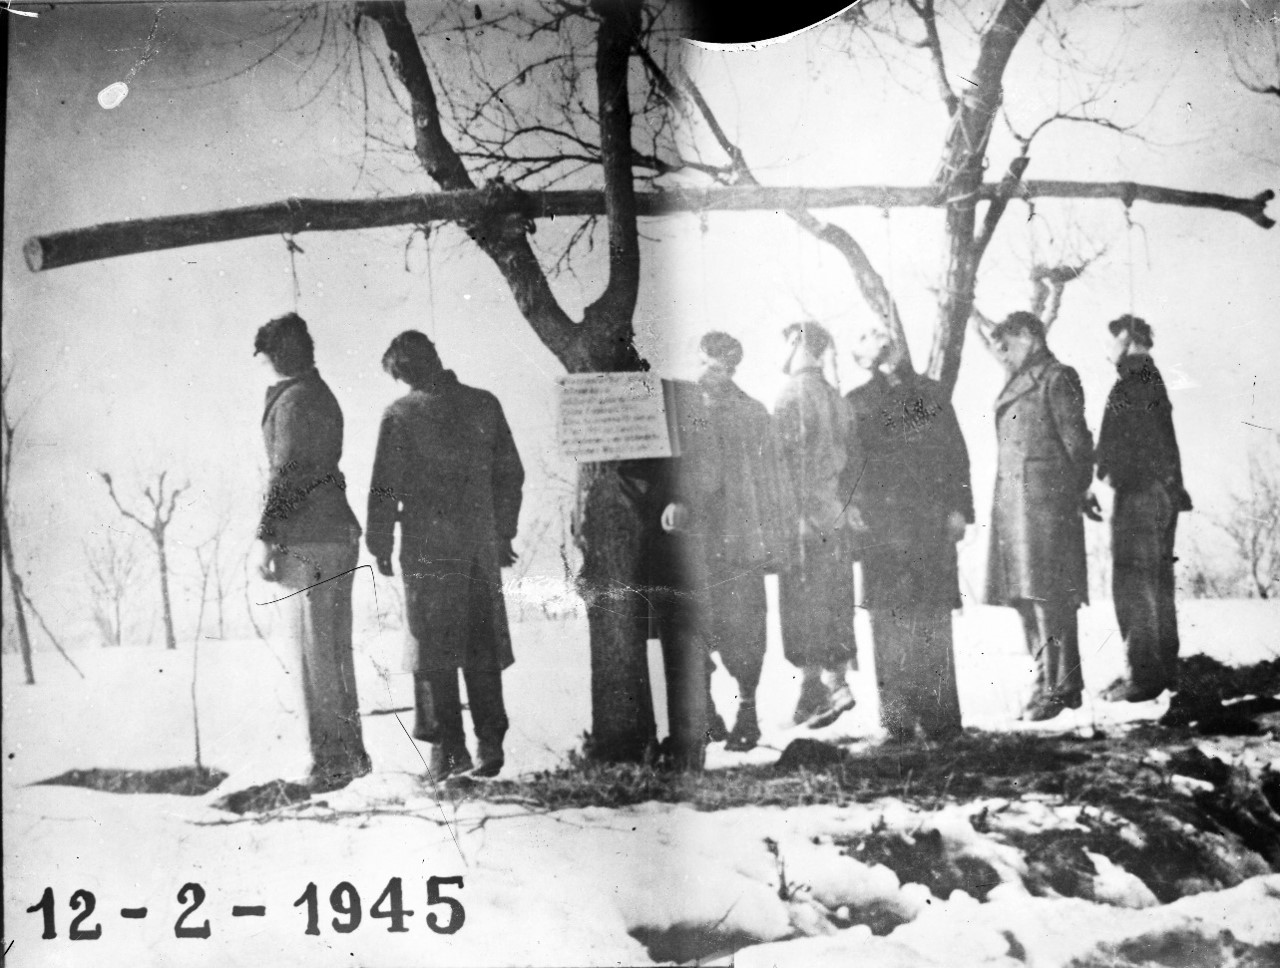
266 558
384 567
506 555
956 525
1090 507
854 520
674 517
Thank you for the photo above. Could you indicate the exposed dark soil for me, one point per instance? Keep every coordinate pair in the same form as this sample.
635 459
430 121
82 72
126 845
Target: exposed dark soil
184 781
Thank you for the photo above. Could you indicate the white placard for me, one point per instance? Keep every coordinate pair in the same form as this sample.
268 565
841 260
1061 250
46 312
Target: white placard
612 416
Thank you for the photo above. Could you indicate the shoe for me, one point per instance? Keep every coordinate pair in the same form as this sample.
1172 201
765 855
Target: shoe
1124 691
491 761
746 731
444 763
1047 708
811 696
839 701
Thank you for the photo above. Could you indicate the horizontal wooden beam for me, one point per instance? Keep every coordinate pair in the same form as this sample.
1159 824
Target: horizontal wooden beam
483 206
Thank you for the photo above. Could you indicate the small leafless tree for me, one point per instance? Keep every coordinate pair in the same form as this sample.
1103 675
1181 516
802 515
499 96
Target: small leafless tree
215 585
1253 523
161 512
114 565
6 532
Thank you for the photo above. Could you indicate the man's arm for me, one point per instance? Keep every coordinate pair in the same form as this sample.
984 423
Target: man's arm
384 494
1066 405
507 483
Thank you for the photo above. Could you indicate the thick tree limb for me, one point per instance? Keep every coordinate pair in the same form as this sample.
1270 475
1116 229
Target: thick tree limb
298 215
960 177
608 319
501 237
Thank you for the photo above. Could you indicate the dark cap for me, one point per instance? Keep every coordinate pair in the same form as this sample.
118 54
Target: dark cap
1020 321
1136 327
723 348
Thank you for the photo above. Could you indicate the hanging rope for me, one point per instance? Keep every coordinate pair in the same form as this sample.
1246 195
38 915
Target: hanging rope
293 249
1128 221
704 226
431 284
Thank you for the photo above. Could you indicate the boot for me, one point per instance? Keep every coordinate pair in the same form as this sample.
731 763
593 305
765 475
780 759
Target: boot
839 699
811 695
489 752
448 760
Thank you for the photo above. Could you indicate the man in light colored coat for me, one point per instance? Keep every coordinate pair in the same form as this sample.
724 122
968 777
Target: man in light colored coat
814 427
1036 562
309 541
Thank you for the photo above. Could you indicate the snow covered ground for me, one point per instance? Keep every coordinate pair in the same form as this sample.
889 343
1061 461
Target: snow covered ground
575 886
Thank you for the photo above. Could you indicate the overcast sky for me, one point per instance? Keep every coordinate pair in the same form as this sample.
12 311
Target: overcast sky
144 362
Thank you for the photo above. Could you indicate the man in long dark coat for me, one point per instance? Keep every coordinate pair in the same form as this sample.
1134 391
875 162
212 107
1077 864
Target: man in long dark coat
309 541
814 427
1037 558
913 492
1138 456
447 469
740 507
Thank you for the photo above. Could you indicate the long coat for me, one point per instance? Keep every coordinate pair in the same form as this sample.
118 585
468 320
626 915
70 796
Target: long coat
447 469
814 427
914 474
732 478
1045 467
1137 445
306 493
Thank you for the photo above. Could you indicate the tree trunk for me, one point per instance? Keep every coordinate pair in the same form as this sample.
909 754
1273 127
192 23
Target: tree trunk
170 640
19 610
609 532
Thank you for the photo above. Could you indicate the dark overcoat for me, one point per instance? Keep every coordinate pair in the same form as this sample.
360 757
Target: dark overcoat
733 480
447 469
1045 467
914 474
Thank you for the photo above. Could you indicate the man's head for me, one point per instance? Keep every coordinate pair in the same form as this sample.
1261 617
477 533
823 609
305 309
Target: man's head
1017 337
873 348
286 344
1129 334
412 358
719 355
806 343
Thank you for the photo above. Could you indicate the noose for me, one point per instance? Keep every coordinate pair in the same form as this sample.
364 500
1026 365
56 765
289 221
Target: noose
293 249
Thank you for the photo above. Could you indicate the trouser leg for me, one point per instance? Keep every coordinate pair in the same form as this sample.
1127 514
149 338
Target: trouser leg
891 643
685 665
488 713
915 670
439 710
321 627
1170 643
1142 584
1053 640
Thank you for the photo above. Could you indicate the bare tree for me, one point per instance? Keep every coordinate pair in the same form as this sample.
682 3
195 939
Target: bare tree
215 572
160 508
6 527
113 564
567 108
1253 523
